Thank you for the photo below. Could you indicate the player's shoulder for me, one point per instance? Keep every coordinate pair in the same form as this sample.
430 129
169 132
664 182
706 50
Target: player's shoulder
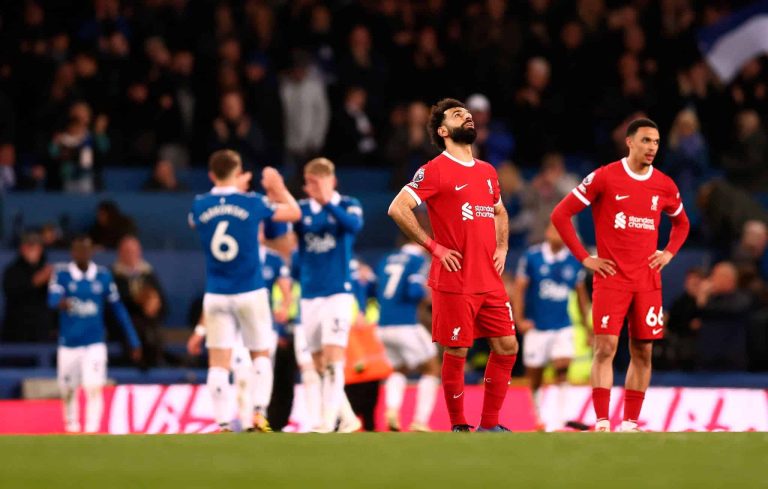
662 177
61 269
349 201
103 272
304 202
534 251
485 166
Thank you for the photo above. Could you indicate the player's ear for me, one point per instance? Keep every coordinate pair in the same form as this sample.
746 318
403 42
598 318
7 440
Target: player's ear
211 176
442 132
628 141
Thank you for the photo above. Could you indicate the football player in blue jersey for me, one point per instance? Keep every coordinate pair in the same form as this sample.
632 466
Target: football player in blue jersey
546 275
79 290
227 220
400 288
326 234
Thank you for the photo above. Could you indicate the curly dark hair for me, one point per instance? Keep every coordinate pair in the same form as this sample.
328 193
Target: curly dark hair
637 124
437 116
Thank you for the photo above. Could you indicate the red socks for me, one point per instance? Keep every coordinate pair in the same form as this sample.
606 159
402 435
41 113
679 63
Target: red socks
497 375
633 402
601 399
453 387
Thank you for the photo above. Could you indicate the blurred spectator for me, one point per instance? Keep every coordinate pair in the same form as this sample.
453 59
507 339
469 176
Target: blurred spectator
360 66
546 190
687 156
25 285
409 146
725 208
236 130
746 164
752 249
163 179
306 110
494 142
111 225
142 295
683 324
74 151
7 167
724 310
352 140
512 186
537 110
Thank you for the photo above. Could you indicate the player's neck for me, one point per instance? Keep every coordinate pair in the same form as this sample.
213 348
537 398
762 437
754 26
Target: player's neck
225 183
637 167
461 152
83 267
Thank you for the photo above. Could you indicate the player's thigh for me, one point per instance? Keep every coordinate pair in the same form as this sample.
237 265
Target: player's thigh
414 346
311 315
609 308
220 323
337 320
646 318
94 366
300 347
537 346
494 317
254 316
453 319
563 346
68 362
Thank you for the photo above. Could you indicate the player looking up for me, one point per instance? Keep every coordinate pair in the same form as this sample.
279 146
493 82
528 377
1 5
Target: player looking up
627 199
227 220
326 234
469 251
79 290
546 275
400 288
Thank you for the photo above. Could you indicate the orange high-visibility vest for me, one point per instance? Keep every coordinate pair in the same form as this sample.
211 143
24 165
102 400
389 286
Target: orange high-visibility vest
366 358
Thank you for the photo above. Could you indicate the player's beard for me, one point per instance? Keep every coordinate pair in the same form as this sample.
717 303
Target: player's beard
463 135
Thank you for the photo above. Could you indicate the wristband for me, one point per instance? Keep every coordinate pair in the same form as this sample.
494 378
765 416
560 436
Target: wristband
430 245
200 330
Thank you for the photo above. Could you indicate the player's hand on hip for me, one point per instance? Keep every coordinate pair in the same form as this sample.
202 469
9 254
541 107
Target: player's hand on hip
450 259
660 259
602 266
499 259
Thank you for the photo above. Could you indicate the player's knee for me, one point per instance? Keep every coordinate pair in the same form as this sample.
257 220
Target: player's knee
604 350
457 352
506 345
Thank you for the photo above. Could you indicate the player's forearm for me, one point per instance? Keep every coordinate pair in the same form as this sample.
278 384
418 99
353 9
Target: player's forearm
678 233
561 219
406 220
284 285
501 220
349 220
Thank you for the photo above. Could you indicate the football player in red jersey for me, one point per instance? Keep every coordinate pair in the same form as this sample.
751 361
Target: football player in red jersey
469 251
627 198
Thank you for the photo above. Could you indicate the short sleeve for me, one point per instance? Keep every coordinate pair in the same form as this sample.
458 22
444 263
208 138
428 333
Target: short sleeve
55 285
493 185
192 216
110 288
425 183
263 207
673 204
591 187
353 206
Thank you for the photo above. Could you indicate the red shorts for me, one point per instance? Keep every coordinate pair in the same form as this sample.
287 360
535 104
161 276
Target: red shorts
643 309
457 319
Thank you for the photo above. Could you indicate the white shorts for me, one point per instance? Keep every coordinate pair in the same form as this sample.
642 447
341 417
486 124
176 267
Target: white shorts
408 346
300 347
542 346
327 320
82 365
249 313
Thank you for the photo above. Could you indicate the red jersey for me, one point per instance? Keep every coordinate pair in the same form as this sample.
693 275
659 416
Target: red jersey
626 208
460 196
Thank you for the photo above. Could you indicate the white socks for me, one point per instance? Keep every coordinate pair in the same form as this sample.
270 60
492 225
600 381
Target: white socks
312 395
94 409
244 391
71 410
426 392
394 390
220 389
262 378
332 393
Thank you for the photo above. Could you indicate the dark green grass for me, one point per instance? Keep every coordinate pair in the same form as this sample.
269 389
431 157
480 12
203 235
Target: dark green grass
440 460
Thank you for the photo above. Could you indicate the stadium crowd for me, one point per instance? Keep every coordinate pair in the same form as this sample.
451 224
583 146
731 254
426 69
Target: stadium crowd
551 85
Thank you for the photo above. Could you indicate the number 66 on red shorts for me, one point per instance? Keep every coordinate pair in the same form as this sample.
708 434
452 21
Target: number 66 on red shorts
643 310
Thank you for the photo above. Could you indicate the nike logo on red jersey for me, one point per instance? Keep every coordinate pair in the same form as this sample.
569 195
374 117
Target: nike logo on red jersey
459 187
622 197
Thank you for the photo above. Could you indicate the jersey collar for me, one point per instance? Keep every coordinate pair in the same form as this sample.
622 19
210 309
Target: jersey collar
77 274
640 178
315 206
549 257
462 163
224 190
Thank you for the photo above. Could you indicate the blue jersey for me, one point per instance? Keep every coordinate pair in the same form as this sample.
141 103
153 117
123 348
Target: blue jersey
400 279
551 278
361 289
227 222
326 236
82 323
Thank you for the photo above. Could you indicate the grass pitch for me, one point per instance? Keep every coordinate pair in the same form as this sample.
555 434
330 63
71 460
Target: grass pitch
387 460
